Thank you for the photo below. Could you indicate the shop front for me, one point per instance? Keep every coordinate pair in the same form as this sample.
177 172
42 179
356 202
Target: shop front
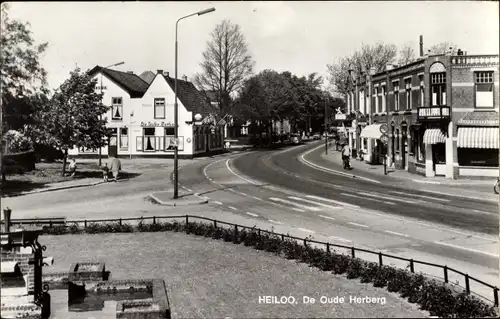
374 148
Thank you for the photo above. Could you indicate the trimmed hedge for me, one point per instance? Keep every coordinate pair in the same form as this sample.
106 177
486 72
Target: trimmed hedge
436 297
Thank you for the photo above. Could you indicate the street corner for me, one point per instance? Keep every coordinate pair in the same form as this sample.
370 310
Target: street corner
166 198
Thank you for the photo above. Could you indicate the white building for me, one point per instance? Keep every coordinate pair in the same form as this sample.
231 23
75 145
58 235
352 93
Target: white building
141 116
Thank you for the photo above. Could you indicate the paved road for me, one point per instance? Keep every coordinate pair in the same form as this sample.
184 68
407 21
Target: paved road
276 189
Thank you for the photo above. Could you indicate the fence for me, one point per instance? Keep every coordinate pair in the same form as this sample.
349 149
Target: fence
352 249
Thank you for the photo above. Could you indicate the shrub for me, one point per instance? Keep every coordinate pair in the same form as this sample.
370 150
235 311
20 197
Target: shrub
17 142
355 268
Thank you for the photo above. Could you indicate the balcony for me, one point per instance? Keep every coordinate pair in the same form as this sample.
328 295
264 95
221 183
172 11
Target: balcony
433 113
474 60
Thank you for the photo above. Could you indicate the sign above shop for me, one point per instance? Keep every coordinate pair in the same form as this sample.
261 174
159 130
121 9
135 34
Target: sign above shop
340 116
157 124
434 113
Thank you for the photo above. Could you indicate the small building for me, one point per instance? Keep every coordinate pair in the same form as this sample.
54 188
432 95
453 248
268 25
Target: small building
141 116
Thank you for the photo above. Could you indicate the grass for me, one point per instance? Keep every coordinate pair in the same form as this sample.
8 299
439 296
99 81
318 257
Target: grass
207 278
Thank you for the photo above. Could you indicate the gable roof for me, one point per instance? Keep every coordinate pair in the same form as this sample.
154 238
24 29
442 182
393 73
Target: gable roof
193 100
148 76
131 83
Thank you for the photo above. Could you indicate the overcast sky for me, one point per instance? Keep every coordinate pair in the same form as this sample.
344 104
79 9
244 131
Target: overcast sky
301 37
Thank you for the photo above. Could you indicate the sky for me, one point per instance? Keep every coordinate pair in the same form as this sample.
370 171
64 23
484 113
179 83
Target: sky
301 37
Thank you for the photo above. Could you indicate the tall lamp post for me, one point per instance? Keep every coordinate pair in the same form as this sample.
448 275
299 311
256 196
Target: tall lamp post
176 106
326 129
100 116
355 104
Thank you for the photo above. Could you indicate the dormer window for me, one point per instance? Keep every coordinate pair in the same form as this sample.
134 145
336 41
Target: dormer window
117 108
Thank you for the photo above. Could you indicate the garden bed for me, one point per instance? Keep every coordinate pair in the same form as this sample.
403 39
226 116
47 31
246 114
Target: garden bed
435 297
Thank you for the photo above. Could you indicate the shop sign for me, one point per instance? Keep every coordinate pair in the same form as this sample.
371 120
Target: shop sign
157 124
433 113
340 116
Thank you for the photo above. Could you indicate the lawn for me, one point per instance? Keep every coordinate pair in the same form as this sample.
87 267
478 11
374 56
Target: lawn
207 278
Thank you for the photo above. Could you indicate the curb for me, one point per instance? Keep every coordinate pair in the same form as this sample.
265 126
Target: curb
172 203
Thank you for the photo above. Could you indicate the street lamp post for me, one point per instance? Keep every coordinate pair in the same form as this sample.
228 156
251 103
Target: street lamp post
176 106
326 130
100 116
355 105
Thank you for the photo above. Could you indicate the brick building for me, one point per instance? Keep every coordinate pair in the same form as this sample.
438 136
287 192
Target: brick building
441 112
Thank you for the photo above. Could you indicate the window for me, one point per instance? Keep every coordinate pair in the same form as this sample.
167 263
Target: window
362 102
384 98
124 138
395 85
160 108
439 153
422 97
477 157
438 88
149 139
117 108
408 93
397 141
376 101
484 89
419 146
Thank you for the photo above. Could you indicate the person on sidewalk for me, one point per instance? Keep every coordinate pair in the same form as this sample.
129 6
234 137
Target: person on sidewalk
346 155
116 167
72 167
105 172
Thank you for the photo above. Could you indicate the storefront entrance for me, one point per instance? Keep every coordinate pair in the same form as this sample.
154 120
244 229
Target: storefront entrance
113 143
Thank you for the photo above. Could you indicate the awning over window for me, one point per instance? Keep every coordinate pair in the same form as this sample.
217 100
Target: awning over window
8 267
478 137
372 131
434 136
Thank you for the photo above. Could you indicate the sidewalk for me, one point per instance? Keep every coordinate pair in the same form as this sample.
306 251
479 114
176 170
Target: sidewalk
482 189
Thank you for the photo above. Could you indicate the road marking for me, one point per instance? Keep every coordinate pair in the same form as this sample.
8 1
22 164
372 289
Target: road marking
332 201
241 193
257 198
364 198
359 225
275 222
395 233
186 189
313 202
341 239
314 209
306 230
233 208
469 249
329 170
298 210
252 214
327 217
389 198
483 212
217 202
237 175
426 182
460 196
423 196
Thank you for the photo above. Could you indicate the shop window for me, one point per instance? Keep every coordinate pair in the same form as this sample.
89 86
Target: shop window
408 93
439 153
117 108
477 157
397 141
149 139
484 89
438 88
159 108
419 147
395 85
124 138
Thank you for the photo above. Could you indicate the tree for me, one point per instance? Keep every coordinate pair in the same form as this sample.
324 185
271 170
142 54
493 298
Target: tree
443 47
20 70
226 64
406 54
375 56
72 118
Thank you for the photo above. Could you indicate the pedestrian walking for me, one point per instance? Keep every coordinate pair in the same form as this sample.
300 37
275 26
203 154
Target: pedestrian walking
115 168
72 167
105 172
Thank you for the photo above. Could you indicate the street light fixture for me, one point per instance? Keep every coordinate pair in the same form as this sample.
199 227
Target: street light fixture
100 116
176 106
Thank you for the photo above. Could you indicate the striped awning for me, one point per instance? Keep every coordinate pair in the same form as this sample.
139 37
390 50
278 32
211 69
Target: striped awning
372 131
478 137
434 136
8 266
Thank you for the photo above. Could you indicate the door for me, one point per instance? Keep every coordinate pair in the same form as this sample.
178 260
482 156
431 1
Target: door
113 143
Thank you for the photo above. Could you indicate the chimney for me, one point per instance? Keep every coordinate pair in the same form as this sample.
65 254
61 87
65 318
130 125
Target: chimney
389 67
185 78
159 71
166 74
421 45
130 72
460 52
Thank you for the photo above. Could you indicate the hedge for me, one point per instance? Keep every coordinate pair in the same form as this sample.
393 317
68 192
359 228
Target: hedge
436 297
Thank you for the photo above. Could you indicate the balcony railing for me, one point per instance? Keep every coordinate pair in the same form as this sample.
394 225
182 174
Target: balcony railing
433 113
474 59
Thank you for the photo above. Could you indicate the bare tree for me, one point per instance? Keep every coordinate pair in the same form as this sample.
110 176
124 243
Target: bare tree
226 65
443 47
406 54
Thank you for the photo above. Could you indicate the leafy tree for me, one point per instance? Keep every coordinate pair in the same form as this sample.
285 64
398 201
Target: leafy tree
226 64
443 47
72 118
